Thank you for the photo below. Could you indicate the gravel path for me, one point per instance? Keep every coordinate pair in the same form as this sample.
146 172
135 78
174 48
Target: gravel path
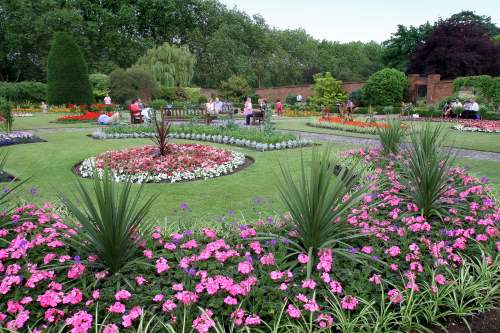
466 153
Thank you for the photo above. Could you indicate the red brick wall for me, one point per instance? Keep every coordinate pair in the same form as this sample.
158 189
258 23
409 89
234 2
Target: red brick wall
436 89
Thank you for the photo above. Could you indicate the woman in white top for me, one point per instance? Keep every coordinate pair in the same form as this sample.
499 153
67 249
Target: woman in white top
210 106
248 110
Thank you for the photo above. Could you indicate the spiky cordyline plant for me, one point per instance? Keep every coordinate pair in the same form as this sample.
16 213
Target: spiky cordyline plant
6 191
317 202
162 129
112 221
426 172
390 136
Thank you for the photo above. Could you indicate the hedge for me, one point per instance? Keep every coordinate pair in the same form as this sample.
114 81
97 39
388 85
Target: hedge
23 92
484 85
67 75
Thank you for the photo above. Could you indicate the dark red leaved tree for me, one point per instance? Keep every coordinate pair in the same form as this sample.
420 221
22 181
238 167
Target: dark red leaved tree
456 49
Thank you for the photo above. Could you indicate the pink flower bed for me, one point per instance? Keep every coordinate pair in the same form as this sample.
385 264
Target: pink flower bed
233 276
184 162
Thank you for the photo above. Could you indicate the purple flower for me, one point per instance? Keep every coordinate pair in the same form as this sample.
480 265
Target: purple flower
188 232
230 212
33 191
184 206
272 242
286 241
354 250
6 190
77 258
191 271
270 219
375 258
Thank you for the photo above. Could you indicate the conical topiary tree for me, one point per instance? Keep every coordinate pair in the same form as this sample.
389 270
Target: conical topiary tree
67 75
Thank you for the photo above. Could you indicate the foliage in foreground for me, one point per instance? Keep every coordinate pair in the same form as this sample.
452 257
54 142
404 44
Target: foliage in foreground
112 221
316 200
427 170
391 136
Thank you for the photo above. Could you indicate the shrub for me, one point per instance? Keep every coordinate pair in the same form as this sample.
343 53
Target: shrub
316 200
22 92
356 97
386 87
235 88
112 221
132 83
67 76
100 85
484 85
327 90
158 104
6 112
390 136
291 99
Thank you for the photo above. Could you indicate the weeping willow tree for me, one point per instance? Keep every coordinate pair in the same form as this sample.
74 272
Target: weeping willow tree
170 65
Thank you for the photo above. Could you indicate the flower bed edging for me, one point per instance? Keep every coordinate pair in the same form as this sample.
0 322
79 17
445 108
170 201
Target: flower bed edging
291 144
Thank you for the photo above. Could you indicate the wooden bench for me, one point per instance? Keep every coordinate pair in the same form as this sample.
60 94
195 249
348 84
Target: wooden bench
170 114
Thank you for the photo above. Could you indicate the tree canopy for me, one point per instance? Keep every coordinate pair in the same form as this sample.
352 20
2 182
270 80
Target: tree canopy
457 48
224 42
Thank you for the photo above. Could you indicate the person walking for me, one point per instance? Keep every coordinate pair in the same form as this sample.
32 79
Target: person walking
248 110
217 105
279 107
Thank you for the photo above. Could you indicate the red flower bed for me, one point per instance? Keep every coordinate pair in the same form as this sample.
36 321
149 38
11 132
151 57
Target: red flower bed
88 116
357 123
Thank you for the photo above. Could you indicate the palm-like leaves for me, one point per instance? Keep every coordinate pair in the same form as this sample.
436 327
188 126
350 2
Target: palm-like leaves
317 200
390 136
427 171
111 224
7 191
162 128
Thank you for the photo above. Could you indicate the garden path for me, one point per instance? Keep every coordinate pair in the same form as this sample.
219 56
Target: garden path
466 153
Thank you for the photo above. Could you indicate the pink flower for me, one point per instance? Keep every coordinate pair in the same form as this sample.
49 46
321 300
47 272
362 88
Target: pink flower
75 271
393 251
440 279
73 297
110 328
349 303
303 258
293 312
230 300
140 280
267 260
276 275
325 320
134 313
96 294
252 320
80 322
367 249
162 265
309 284
335 287
148 253
122 295
245 267
117 307
177 287
158 298
168 306
203 323
395 296
375 279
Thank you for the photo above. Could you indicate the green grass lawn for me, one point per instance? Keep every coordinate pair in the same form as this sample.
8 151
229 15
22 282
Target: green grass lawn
466 140
49 164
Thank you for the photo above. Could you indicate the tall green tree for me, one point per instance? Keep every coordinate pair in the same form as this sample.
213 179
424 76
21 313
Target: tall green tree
327 90
67 75
386 87
170 65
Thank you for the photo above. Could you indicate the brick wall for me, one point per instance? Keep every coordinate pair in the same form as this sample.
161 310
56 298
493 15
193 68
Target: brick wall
436 89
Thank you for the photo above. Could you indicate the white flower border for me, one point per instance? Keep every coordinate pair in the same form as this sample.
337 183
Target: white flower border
463 128
291 144
237 159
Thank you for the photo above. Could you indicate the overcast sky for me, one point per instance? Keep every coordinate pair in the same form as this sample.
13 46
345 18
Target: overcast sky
362 20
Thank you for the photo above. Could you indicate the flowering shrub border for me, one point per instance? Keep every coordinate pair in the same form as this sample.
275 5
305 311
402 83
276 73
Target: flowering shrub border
86 117
184 162
238 276
470 125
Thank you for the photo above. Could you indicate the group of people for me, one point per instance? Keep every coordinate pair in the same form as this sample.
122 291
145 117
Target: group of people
455 109
214 106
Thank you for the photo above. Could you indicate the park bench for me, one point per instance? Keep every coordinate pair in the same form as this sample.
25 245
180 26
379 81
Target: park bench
179 114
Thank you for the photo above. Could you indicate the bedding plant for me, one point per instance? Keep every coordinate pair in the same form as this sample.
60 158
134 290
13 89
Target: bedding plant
349 256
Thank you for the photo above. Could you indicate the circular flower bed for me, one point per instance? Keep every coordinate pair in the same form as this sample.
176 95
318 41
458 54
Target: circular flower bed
183 162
